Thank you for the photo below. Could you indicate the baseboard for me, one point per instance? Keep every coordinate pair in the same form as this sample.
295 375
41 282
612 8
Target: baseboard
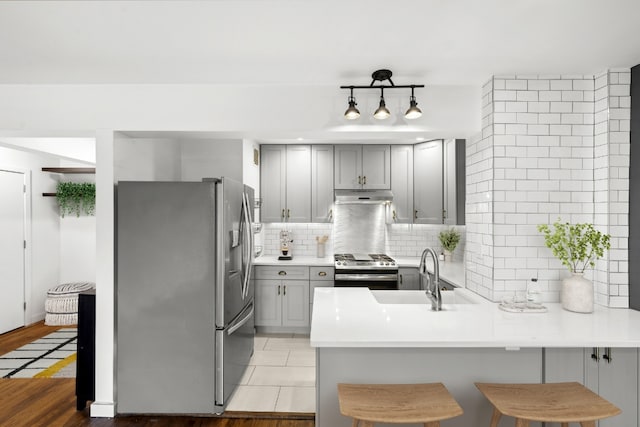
270 415
103 410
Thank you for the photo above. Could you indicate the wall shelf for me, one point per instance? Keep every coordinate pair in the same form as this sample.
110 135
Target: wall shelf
70 170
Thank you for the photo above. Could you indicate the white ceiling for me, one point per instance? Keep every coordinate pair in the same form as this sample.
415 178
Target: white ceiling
312 41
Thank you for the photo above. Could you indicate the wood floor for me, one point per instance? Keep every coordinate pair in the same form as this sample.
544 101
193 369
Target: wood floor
50 402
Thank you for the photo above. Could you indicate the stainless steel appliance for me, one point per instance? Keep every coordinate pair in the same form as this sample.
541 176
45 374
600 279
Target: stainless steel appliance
374 271
185 298
285 245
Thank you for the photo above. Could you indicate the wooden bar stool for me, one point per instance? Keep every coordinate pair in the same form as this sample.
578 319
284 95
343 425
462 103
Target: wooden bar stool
397 403
562 403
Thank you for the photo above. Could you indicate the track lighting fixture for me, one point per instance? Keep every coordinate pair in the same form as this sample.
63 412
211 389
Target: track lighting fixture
352 112
382 112
413 112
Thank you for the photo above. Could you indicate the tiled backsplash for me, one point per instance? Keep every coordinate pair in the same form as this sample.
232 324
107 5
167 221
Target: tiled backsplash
402 240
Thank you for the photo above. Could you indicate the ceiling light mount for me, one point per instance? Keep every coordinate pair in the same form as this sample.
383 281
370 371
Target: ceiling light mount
382 112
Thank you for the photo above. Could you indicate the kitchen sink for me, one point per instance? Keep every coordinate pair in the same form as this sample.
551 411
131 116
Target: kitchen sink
456 296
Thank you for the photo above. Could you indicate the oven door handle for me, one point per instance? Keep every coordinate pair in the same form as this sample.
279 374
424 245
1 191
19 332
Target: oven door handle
366 277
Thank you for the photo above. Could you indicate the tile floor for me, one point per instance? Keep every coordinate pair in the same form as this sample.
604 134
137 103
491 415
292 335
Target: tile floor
281 376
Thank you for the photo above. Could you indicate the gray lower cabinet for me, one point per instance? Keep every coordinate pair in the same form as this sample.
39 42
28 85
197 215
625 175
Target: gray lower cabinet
321 277
408 279
610 372
282 296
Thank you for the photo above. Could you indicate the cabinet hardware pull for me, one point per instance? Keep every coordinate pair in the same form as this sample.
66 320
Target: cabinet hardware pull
284 290
415 214
282 273
330 214
595 354
288 213
364 180
395 216
322 273
282 214
278 289
400 279
359 180
607 355
444 213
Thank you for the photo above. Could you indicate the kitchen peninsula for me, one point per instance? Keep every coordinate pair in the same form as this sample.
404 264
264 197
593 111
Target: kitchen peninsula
360 340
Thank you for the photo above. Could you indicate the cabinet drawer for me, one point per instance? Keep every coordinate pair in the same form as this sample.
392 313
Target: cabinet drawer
282 273
321 273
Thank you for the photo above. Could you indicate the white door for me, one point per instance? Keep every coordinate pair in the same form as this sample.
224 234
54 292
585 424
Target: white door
11 250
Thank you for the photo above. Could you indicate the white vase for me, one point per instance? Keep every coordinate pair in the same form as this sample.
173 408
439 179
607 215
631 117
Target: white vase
447 255
577 294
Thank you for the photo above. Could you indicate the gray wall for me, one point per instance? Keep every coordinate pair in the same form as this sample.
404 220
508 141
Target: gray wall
634 193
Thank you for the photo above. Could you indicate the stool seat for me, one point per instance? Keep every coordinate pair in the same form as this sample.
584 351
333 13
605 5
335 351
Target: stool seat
553 402
397 403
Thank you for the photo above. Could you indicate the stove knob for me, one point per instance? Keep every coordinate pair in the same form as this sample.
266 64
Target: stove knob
393 263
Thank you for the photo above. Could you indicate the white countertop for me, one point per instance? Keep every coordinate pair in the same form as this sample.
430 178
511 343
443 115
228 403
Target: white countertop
352 317
310 261
451 271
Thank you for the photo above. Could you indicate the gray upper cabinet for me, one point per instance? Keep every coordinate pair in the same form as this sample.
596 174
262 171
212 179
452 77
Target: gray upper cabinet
285 183
298 183
402 183
427 185
273 160
454 181
362 167
376 167
321 183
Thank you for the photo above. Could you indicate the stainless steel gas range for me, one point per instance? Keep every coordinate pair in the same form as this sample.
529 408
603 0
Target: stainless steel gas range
374 271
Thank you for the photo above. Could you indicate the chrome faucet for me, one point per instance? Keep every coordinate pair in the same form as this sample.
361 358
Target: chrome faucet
433 285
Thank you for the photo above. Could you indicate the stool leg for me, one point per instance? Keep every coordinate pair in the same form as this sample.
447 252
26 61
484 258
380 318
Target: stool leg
587 424
355 422
495 418
522 422
432 424
564 424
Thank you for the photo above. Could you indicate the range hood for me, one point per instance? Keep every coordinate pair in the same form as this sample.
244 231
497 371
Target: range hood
363 196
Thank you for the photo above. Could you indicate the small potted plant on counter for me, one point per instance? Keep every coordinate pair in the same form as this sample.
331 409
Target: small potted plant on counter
449 239
576 246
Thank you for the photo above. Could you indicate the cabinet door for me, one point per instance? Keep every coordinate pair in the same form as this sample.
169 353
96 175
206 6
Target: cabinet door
348 167
376 167
564 365
272 182
321 183
427 184
402 183
268 300
408 279
450 185
298 178
295 303
618 383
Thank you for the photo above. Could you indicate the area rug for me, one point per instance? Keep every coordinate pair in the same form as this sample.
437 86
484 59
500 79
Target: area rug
52 356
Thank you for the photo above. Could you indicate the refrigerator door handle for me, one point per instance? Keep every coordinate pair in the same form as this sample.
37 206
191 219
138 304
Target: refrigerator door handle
248 245
243 318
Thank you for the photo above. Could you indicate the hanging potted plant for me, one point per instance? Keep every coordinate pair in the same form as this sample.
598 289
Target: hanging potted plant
577 246
449 239
76 197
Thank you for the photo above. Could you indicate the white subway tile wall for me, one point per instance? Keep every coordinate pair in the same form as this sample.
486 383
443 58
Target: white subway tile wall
479 198
552 147
401 240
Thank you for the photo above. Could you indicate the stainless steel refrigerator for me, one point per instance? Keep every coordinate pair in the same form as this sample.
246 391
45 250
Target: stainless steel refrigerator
184 303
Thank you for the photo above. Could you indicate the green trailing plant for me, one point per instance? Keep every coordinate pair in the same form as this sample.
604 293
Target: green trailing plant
76 197
449 239
575 245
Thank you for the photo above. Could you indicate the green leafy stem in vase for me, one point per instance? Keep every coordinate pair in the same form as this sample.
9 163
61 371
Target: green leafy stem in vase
575 245
76 197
